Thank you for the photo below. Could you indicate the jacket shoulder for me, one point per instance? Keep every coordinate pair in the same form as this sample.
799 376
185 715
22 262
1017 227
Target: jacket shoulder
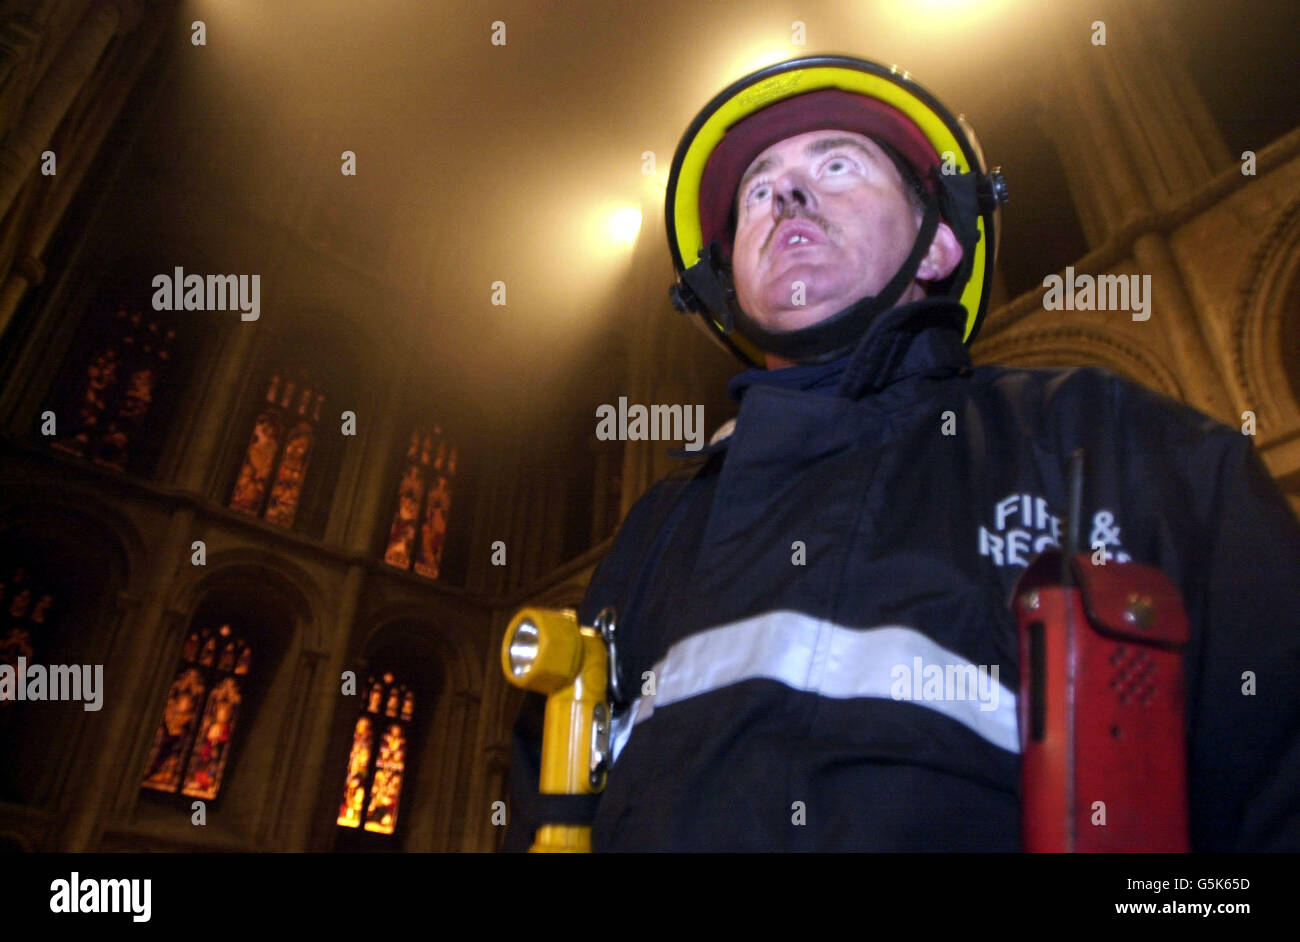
1041 398
638 532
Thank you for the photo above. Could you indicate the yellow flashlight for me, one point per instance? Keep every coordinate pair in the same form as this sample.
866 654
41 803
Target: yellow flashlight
547 651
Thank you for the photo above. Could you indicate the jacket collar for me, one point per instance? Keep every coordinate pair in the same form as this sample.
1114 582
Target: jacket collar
920 338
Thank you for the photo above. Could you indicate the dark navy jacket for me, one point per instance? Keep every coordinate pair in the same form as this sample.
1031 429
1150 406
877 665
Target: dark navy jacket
784 599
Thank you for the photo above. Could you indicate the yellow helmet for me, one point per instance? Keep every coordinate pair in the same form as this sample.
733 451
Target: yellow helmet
937 151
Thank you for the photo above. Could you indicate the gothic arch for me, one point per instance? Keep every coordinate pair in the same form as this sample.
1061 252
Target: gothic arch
448 670
278 609
459 662
346 342
33 506
298 592
505 703
1268 292
109 263
342 354
76 324
84 554
1076 345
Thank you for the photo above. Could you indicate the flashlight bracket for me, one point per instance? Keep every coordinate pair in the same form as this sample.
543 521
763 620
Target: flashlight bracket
606 625
599 747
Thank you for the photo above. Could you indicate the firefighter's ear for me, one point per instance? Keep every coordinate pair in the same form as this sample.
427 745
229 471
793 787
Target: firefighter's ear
942 258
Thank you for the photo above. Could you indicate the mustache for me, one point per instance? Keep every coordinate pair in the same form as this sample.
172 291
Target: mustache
807 217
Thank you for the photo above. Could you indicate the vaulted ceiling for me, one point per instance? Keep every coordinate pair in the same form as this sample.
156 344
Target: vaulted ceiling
480 163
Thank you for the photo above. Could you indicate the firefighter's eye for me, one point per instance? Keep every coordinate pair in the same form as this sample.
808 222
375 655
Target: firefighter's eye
838 166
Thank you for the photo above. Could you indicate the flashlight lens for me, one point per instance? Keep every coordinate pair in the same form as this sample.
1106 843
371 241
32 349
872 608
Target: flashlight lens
523 648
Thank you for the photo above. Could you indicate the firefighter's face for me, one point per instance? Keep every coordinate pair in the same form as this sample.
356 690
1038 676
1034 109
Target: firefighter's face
823 220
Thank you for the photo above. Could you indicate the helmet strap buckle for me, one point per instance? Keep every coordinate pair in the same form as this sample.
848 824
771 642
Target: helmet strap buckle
710 281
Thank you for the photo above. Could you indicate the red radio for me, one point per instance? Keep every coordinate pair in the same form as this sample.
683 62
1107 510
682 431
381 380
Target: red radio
1101 703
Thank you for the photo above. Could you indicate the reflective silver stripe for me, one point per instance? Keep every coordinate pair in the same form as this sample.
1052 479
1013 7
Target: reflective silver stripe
723 431
821 657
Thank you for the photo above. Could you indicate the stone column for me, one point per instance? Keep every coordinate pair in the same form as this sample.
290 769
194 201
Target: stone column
1076 117
437 825
533 532
1136 140
20 36
493 518
377 484
1132 132
21 148
648 363
288 795
477 576
1173 143
490 760
600 491
1183 329
216 410
320 702
142 639
556 514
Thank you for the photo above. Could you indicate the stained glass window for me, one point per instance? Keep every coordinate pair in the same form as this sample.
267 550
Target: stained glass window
116 385
419 530
280 449
192 744
24 610
373 786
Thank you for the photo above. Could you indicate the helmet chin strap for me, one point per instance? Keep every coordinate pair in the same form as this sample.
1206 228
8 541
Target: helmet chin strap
711 281
842 330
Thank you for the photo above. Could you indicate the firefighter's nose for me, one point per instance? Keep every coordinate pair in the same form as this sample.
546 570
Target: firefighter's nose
790 195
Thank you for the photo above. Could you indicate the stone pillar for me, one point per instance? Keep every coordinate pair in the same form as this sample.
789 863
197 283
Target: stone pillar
490 760
600 497
479 562
556 514
1132 132
1172 141
648 363
21 148
1183 329
493 515
377 485
1136 140
219 406
534 524
496 772
439 824
519 483
20 37
287 793
1076 117
89 136
142 639
320 703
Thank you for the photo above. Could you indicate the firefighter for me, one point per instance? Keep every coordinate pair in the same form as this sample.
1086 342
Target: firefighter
814 636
